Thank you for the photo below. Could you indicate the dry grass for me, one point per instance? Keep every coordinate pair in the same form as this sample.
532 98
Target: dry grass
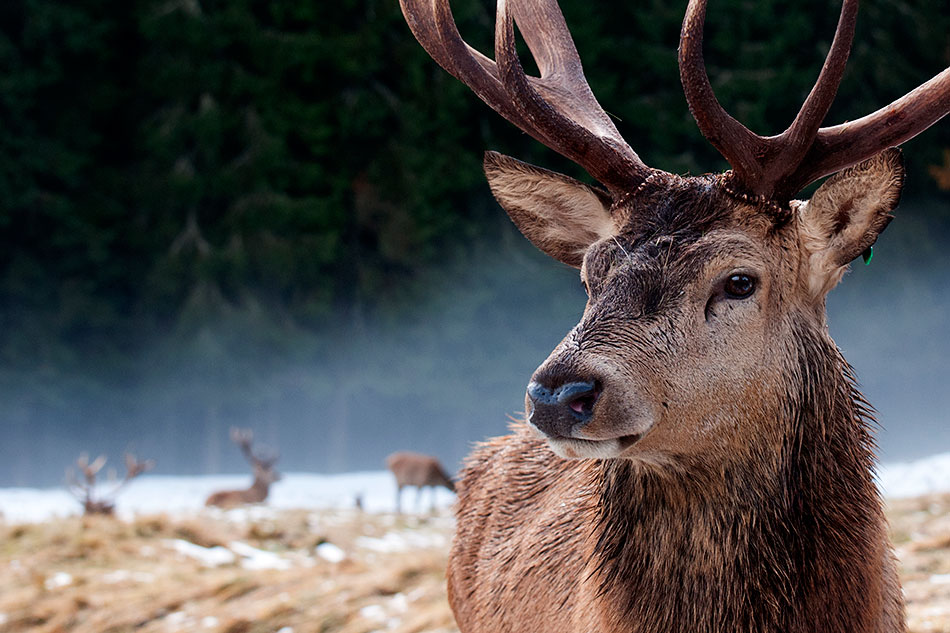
921 532
99 575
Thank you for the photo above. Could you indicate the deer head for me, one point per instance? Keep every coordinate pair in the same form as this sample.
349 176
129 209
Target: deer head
705 294
262 464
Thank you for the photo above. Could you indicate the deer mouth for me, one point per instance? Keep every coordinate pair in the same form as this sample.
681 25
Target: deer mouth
577 448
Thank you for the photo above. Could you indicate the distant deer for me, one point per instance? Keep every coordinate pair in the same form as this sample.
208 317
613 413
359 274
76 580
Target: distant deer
264 475
415 469
696 455
94 501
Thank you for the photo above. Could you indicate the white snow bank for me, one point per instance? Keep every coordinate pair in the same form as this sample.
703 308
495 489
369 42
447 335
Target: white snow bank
32 505
912 479
151 494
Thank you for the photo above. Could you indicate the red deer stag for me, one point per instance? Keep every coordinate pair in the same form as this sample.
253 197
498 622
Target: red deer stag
415 469
88 493
264 475
713 454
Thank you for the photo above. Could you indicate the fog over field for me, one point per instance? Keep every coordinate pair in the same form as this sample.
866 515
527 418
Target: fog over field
445 374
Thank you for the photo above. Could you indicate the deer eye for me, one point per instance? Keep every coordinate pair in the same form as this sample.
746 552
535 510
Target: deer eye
739 286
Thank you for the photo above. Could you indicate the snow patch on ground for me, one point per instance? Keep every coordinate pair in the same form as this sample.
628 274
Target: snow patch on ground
207 556
59 579
402 541
123 575
253 558
185 495
330 552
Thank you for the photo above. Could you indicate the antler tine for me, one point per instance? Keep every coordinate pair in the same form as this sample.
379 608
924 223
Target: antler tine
737 144
77 488
135 467
559 109
432 23
240 436
798 138
777 167
243 438
847 144
561 101
90 471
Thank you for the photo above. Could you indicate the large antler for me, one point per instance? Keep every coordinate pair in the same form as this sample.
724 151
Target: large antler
85 490
244 438
777 167
558 109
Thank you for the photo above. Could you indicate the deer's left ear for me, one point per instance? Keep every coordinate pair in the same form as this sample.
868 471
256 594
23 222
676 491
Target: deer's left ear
560 215
846 215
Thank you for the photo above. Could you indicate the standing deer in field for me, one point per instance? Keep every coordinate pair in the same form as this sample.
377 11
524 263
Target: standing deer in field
415 469
89 494
712 458
264 475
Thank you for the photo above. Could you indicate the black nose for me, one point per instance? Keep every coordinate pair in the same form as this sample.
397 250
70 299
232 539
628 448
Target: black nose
559 411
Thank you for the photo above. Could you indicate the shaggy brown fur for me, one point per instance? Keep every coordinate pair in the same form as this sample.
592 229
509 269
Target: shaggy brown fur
795 542
749 505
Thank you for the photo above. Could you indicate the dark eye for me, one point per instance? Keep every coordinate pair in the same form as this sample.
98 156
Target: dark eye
739 286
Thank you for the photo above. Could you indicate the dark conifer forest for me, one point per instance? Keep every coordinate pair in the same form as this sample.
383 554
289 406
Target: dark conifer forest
272 214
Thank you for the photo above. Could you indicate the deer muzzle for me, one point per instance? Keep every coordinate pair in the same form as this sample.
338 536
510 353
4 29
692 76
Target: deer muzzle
583 412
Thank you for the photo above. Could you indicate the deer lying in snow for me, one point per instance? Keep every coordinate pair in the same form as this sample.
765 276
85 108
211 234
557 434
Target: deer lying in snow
696 455
415 469
264 475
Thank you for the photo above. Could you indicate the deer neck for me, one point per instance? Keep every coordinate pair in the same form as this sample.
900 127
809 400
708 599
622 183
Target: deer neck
799 534
258 490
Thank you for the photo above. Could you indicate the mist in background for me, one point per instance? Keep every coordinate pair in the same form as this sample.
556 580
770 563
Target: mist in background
271 214
890 320
451 369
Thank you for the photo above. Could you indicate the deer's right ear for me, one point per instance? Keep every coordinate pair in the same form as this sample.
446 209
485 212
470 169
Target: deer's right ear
846 214
558 214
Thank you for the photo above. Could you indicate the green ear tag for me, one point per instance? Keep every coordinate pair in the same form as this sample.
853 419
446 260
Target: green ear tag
868 255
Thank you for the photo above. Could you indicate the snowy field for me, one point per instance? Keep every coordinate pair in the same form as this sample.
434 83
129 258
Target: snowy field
308 562
152 494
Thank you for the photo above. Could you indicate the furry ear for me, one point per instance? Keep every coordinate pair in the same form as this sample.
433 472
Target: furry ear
846 215
558 214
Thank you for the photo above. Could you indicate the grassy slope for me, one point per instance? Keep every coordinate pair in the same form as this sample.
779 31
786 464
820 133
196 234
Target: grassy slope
99 575
159 589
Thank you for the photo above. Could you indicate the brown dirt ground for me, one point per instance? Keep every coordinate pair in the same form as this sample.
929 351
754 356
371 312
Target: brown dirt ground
101 575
